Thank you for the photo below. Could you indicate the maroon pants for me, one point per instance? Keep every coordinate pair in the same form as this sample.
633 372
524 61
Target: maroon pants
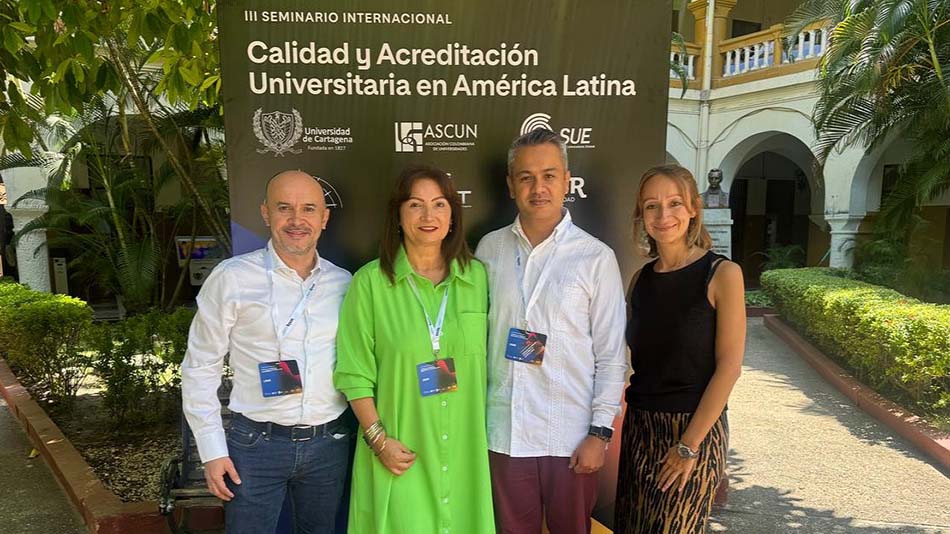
527 489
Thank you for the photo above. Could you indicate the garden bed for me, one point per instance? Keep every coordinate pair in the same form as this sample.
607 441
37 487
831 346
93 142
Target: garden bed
127 460
101 510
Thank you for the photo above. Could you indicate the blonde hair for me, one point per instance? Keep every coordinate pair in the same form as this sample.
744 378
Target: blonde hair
696 234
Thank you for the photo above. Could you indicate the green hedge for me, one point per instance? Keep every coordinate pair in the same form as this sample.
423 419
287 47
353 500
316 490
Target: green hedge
51 340
40 336
890 341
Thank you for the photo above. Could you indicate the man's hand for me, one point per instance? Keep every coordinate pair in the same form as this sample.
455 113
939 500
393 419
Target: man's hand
214 477
589 456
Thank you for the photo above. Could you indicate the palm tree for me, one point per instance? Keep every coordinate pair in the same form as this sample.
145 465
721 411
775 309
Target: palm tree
884 74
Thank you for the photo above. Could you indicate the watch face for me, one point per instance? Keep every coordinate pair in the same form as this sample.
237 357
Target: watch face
684 451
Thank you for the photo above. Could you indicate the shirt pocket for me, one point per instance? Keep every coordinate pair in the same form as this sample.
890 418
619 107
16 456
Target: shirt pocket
474 326
573 315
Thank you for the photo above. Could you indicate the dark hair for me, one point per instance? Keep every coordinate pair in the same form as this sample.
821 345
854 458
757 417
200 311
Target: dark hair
454 246
536 137
696 234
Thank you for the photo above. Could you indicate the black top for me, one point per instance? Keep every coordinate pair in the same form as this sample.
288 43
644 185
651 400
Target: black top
672 336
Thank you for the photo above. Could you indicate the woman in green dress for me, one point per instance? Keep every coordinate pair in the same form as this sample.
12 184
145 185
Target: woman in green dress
411 357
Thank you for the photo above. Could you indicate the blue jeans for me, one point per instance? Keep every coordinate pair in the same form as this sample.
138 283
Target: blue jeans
312 471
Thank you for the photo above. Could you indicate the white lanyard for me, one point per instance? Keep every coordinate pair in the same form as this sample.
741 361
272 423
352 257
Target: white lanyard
435 330
520 266
298 309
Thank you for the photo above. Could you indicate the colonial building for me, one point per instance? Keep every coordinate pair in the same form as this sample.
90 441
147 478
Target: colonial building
747 111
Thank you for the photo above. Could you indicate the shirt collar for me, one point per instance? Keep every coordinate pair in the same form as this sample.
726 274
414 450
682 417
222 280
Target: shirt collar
559 231
402 268
278 262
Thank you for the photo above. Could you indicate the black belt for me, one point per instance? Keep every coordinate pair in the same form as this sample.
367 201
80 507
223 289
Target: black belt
293 433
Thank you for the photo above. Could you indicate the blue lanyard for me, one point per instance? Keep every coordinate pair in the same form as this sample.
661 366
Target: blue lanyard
435 330
282 333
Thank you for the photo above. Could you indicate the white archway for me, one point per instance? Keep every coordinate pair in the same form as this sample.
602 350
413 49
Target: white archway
775 129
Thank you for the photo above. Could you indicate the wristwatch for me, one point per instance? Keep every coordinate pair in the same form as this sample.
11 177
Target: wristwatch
686 452
604 433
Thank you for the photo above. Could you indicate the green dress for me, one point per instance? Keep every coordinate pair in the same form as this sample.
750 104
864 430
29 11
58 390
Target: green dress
382 337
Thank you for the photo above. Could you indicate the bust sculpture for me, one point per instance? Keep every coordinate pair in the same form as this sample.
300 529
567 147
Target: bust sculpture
715 197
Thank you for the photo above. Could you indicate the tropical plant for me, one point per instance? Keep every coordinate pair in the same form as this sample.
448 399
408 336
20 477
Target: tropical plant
782 257
679 45
886 260
144 53
884 73
121 239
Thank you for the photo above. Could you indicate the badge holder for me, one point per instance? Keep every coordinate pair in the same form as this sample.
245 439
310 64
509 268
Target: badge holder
282 377
437 376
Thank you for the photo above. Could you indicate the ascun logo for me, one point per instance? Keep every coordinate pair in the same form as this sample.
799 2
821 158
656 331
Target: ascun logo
421 137
278 131
574 137
409 136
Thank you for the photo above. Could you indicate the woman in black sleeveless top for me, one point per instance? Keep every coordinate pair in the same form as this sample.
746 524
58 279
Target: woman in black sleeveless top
686 332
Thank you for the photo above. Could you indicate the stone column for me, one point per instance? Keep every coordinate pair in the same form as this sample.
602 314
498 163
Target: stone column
720 30
844 237
32 256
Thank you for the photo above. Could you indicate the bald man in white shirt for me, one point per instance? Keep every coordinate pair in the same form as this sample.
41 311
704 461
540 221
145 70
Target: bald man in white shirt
557 355
275 312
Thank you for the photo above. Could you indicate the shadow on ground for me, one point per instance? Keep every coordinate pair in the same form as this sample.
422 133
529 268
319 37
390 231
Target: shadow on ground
758 509
790 371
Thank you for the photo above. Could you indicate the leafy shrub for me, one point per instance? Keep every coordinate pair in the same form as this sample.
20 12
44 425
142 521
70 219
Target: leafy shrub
52 342
12 296
40 334
138 360
757 298
891 341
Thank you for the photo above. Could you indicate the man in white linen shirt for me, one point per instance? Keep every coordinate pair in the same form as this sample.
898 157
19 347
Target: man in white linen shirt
556 357
275 311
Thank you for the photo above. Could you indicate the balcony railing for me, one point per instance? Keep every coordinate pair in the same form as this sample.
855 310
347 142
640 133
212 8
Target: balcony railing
688 59
764 49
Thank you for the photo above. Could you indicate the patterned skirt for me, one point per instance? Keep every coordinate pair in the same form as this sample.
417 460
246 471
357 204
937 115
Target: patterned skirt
641 507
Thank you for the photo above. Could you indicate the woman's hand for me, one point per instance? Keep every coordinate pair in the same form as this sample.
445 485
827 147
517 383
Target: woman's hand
396 457
676 471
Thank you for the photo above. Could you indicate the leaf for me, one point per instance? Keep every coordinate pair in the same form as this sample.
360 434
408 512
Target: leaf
209 81
12 41
83 45
62 69
16 134
191 74
78 71
22 27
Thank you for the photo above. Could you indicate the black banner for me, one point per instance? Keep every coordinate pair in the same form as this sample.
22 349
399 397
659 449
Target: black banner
352 91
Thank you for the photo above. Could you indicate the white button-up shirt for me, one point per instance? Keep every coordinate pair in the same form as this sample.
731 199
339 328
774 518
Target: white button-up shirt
546 410
234 316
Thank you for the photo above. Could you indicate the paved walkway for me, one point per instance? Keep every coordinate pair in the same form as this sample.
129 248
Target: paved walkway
30 499
803 459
